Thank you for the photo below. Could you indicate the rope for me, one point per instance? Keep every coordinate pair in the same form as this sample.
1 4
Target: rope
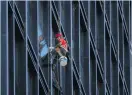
57 74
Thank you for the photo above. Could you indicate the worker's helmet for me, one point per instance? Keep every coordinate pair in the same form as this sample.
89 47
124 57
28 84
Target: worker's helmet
58 35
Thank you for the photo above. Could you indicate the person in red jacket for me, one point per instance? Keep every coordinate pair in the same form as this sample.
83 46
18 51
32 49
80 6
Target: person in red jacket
61 48
61 44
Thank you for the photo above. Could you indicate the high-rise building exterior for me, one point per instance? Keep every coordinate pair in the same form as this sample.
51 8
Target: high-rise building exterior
99 40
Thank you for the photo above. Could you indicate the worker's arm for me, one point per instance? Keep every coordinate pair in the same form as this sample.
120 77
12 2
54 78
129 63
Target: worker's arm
58 45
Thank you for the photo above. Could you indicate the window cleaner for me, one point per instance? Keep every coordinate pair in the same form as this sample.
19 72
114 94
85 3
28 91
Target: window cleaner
61 49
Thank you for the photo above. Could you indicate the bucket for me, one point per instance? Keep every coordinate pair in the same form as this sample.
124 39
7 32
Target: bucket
63 61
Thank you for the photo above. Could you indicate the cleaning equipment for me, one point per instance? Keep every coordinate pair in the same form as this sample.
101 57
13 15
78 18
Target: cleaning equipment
63 60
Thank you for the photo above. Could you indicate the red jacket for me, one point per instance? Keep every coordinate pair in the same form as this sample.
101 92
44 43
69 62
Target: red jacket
63 43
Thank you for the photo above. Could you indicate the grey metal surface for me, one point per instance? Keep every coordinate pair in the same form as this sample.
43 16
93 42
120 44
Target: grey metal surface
99 39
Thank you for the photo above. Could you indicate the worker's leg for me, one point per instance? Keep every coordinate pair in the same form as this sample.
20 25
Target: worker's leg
63 51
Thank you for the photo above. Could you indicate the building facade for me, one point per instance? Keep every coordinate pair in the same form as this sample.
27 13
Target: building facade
99 40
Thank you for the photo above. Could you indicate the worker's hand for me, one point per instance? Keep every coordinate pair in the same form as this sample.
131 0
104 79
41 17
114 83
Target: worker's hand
57 49
58 45
51 48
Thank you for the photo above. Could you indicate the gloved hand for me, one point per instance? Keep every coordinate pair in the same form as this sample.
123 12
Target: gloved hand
51 49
